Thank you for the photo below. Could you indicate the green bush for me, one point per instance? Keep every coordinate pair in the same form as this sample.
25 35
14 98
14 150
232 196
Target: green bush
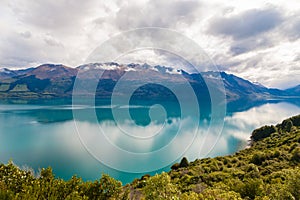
287 125
250 188
293 182
278 191
160 187
263 132
175 166
257 159
184 162
296 155
296 120
109 187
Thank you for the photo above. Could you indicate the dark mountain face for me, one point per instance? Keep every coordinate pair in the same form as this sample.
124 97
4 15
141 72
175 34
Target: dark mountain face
294 90
7 73
150 82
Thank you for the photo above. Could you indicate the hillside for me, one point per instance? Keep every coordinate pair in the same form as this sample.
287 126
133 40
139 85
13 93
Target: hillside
57 81
294 90
268 169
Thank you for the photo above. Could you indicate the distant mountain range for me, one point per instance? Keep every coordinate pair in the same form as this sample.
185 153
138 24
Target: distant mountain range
57 81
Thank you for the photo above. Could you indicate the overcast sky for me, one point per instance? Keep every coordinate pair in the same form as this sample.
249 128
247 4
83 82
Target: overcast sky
257 40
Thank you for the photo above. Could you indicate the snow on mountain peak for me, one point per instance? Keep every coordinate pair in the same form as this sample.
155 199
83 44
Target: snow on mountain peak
130 67
258 84
5 70
174 71
106 67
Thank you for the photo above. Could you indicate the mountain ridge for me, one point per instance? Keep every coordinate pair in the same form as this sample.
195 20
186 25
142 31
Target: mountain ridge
57 80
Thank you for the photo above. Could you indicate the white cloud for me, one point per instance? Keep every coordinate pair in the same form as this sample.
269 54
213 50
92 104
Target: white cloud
258 40
247 24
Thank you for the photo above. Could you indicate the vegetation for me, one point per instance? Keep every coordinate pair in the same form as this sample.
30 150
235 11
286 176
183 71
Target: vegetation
269 169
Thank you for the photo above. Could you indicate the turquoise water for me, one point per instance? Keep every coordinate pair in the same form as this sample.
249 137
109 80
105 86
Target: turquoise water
42 134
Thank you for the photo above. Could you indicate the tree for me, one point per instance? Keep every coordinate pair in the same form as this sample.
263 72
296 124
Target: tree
263 132
109 187
160 187
287 125
296 120
184 162
47 174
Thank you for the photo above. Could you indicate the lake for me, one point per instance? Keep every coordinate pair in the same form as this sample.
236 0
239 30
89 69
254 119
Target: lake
71 140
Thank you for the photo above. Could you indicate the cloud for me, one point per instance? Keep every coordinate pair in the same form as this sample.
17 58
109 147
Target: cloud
250 44
260 44
26 34
51 15
297 58
156 13
291 28
52 41
247 24
25 49
254 39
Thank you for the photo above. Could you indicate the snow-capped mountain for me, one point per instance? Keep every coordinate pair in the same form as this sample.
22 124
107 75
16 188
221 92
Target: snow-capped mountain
49 80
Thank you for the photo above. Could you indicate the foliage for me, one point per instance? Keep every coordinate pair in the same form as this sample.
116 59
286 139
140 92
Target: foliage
262 132
20 184
287 125
160 187
296 155
184 162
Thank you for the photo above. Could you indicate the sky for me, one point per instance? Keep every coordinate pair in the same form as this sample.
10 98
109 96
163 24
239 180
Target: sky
257 40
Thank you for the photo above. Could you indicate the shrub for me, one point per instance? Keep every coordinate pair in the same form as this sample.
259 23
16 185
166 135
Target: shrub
276 154
184 162
296 120
287 125
46 174
293 183
257 159
251 188
175 166
160 187
109 187
189 196
278 191
216 193
296 155
263 132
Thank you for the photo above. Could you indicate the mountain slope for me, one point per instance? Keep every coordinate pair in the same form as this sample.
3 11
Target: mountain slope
294 90
269 169
7 73
46 81
49 80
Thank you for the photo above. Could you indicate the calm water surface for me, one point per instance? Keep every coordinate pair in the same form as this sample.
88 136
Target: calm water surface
43 134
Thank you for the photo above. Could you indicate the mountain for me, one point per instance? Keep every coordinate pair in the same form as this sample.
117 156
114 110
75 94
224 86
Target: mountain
52 72
150 82
7 73
294 90
46 80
